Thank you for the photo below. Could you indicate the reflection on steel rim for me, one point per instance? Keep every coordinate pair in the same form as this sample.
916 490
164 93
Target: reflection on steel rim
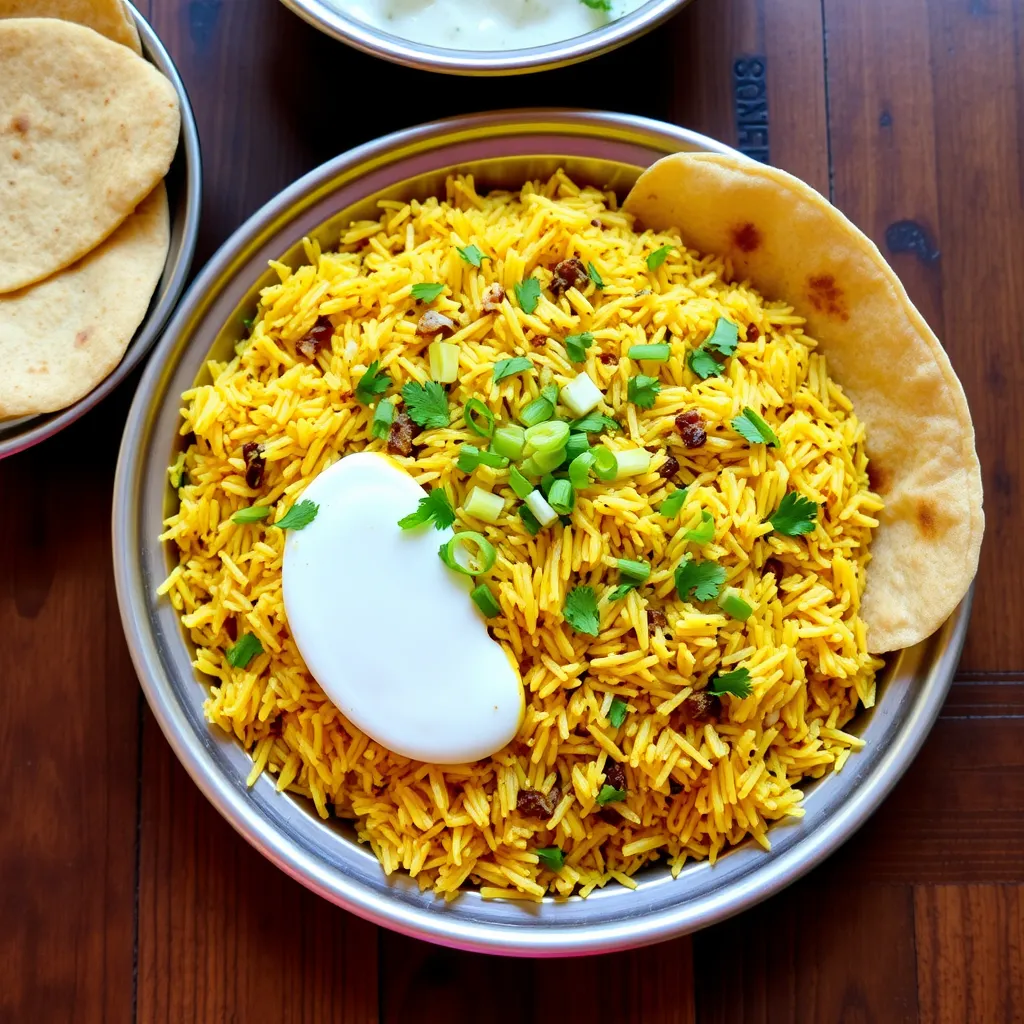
501 150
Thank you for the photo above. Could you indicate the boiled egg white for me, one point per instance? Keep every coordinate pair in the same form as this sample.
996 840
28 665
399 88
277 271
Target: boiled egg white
387 629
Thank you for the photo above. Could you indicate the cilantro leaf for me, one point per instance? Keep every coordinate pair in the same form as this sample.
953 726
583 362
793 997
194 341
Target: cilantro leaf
598 5
372 384
703 363
621 591
737 683
472 255
427 404
248 322
432 508
702 579
252 514
610 795
551 857
299 516
617 712
580 610
591 269
656 258
705 533
752 428
642 390
426 291
594 423
510 367
240 654
527 294
724 337
674 502
577 344
795 515
383 417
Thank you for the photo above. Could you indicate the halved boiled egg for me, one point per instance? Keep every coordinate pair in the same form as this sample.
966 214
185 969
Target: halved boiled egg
387 629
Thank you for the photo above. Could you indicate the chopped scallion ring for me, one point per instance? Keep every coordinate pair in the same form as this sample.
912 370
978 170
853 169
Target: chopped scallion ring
561 497
653 353
542 511
731 602
606 464
546 437
579 468
581 395
509 441
479 418
485 601
484 505
540 463
576 445
519 484
637 572
537 411
632 462
470 553
470 457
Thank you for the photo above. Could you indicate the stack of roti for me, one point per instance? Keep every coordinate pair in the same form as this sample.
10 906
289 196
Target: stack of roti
88 129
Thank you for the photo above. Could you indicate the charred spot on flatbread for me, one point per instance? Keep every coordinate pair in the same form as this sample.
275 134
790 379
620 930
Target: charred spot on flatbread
826 296
879 478
20 124
746 237
927 516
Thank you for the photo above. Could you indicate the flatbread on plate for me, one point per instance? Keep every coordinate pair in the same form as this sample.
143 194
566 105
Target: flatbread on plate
111 18
87 129
61 337
793 245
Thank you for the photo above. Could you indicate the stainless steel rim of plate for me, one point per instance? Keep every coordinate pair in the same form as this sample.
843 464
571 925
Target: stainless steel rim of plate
329 19
184 184
502 147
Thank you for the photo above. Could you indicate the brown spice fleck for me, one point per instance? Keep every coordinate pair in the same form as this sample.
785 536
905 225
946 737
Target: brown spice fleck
656 619
231 628
401 433
615 776
252 453
535 804
432 321
608 358
595 223
701 707
316 338
690 425
569 273
752 332
492 297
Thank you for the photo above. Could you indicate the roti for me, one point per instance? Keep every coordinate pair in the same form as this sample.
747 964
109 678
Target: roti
87 129
60 338
111 18
793 245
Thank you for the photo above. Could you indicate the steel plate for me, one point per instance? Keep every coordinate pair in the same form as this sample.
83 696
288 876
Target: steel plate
501 150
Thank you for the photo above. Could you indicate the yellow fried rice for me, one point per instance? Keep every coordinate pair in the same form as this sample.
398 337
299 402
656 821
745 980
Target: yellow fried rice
694 787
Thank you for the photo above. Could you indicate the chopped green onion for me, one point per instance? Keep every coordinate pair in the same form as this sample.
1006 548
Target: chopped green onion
529 520
606 463
478 418
444 362
632 462
470 457
540 463
539 410
561 497
383 417
542 511
509 441
631 570
519 484
579 469
731 602
485 601
469 553
617 712
705 533
653 353
484 505
546 437
550 392
656 258
581 395
576 445
547 481
252 514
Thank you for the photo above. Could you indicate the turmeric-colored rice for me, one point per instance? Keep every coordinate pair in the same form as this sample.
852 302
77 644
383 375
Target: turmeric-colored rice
694 787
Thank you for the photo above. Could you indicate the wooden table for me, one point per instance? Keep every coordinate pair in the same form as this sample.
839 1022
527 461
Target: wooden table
123 894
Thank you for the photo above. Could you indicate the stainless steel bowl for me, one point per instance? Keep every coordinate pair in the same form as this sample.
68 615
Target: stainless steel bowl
184 188
501 150
363 36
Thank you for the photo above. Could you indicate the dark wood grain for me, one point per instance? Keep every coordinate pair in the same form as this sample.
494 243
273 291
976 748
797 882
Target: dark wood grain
910 112
970 953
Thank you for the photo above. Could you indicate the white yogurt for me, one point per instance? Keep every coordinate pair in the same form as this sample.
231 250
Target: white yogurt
387 630
484 24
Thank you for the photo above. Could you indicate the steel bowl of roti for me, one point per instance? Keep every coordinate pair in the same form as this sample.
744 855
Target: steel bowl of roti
99 205
523 540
